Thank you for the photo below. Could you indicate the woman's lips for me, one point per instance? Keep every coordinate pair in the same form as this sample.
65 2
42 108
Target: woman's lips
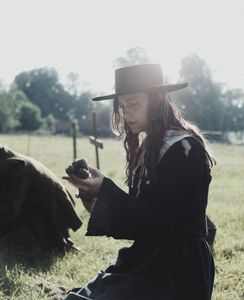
131 123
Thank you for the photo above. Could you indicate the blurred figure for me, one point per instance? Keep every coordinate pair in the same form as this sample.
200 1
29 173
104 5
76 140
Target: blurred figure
36 211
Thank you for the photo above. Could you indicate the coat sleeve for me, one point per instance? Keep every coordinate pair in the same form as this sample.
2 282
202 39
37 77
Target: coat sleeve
166 206
13 188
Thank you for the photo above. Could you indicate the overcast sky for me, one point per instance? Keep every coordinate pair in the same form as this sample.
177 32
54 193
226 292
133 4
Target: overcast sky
85 36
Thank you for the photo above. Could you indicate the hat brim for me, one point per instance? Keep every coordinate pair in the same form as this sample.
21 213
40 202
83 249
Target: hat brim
167 88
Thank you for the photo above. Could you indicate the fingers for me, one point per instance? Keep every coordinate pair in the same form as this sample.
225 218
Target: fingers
94 172
85 185
70 180
91 184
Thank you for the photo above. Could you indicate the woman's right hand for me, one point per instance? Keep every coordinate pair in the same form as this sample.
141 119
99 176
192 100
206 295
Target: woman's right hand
92 184
88 188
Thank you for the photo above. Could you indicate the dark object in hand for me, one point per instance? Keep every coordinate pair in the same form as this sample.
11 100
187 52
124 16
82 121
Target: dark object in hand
79 167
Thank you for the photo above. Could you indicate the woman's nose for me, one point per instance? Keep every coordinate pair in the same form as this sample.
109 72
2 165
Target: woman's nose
127 115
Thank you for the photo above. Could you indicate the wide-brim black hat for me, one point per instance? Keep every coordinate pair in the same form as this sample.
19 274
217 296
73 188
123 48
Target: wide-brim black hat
139 78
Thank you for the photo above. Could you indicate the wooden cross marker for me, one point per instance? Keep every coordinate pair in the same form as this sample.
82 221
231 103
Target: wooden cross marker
94 141
74 129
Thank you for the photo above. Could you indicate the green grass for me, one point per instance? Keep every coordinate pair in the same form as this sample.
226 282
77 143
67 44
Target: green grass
18 279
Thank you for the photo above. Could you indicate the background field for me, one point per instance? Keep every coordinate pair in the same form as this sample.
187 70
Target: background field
18 281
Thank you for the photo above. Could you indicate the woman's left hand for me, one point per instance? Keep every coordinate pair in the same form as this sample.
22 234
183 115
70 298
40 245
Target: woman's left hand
90 185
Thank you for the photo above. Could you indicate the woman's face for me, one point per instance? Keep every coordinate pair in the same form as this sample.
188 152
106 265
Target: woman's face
134 110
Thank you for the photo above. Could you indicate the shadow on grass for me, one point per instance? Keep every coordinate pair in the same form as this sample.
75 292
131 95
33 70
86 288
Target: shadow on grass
16 263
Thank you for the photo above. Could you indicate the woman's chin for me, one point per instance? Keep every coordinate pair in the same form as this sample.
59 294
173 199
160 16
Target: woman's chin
135 130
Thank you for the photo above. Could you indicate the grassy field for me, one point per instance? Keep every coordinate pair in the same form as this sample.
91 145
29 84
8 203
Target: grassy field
19 281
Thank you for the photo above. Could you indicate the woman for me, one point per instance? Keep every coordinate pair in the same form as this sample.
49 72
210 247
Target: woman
168 174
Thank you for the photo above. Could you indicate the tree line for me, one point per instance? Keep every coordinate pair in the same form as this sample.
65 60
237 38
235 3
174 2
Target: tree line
37 100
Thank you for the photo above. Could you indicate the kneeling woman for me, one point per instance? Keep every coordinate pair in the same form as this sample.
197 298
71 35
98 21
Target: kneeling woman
168 174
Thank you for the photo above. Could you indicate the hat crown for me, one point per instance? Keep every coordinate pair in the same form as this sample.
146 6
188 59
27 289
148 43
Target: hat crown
136 78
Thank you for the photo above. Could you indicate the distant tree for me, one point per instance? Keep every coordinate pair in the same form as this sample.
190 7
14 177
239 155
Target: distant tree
73 82
9 112
49 123
29 116
83 105
233 115
43 88
201 102
133 56
82 111
104 113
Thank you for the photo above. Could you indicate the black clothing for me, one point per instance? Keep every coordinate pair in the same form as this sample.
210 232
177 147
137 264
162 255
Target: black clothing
35 208
212 229
170 258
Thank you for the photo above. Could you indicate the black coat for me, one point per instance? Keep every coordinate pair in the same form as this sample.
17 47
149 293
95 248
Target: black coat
35 208
170 258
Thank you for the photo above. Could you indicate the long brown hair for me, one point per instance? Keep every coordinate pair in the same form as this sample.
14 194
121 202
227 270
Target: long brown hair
162 115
